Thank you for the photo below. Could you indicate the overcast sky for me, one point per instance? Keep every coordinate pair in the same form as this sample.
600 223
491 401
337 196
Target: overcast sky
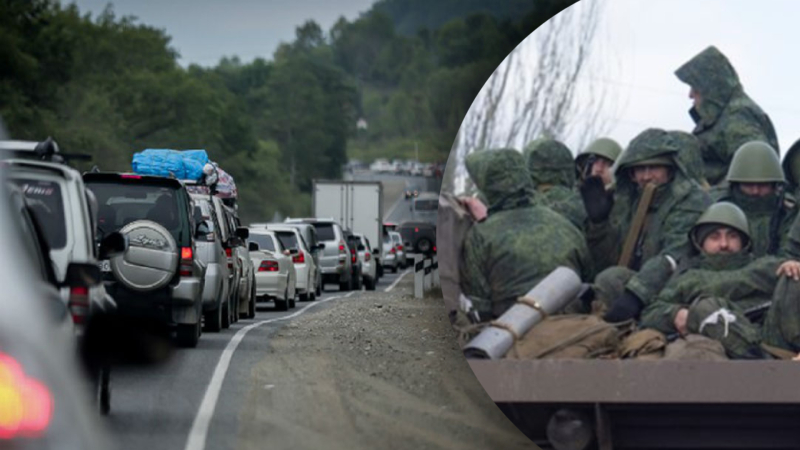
203 31
652 38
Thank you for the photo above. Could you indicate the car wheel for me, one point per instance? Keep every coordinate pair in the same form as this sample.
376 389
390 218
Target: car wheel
370 285
319 289
213 319
292 302
226 314
283 305
188 334
102 383
345 285
251 310
304 297
394 269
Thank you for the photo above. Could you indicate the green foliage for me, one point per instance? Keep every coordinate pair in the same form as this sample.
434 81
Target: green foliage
110 86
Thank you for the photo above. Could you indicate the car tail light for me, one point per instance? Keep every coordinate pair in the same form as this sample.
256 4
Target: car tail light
79 304
392 250
229 254
132 177
367 256
186 261
434 249
341 247
268 266
26 405
299 258
399 248
416 230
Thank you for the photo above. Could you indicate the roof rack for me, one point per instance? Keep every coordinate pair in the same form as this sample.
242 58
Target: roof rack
46 150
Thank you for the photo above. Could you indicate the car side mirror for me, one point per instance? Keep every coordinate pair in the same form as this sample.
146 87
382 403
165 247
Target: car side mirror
321 246
360 248
376 251
202 230
113 245
253 247
83 275
235 241
243 232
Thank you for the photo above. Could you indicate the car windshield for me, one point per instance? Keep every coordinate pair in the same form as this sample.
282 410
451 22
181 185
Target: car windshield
426 205
264 241
325 231
287 238
121 204
47 203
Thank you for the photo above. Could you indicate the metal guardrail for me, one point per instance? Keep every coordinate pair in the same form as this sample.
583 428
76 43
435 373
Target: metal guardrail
426 273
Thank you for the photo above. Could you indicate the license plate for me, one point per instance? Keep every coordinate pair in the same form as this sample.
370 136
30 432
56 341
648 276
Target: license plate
105 266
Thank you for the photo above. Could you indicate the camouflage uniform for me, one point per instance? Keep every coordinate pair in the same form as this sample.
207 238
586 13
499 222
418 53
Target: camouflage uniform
791 169
552 170
518 244
717 290
726 117
675 208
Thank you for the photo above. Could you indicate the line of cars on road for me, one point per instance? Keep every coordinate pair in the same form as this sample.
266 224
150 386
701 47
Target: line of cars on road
406 167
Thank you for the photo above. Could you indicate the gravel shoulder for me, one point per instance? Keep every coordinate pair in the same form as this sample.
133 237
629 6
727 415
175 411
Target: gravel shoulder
376 370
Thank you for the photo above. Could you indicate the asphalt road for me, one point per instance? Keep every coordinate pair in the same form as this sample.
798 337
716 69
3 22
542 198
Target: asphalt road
157 407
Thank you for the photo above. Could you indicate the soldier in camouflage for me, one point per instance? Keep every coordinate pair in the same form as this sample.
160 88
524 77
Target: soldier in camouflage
597 160
725 117
553 173
518 243
756 185
720 285
791 169
651 158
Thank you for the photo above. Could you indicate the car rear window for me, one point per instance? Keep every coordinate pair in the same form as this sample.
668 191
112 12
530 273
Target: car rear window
123 203
264 242
325 231
47 202
426 205
287 238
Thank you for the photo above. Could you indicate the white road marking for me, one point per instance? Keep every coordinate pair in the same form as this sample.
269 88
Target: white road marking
388 289
199 431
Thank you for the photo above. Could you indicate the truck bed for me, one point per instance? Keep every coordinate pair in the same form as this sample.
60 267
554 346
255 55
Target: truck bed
659 404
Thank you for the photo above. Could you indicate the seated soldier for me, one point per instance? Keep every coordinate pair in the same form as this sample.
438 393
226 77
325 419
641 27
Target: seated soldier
636 231
756 185
518 243
721 286
553 174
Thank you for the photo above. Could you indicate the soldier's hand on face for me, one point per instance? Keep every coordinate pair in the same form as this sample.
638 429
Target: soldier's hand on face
790 269
680 321
596 199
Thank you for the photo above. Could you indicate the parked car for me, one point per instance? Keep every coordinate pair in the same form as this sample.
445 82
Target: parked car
216 291
304 264
309 234
229 244
381 166
276 276
368 262
160 276
418 237
357 268
390 259
335 260
44 393
397 241
246 305
65 212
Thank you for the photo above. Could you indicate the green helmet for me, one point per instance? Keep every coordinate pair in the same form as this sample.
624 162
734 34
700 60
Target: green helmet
755 162
791 163
604 147
720 214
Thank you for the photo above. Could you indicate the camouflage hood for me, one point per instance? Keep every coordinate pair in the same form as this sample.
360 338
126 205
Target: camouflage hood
791 164
712 75
550 162
501 177
649 144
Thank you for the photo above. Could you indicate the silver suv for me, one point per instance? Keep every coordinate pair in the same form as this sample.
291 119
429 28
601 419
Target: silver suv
335 260
160 277
217 289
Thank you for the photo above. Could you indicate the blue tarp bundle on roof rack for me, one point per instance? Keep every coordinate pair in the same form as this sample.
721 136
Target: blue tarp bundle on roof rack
184 165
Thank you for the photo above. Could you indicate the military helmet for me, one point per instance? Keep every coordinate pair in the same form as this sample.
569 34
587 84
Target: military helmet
657 161
755 162
604 147
720 213
791 163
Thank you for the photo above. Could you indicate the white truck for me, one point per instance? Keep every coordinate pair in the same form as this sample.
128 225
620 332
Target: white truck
356 205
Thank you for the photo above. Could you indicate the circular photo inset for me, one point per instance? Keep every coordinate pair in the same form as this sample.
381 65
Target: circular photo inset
618 228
